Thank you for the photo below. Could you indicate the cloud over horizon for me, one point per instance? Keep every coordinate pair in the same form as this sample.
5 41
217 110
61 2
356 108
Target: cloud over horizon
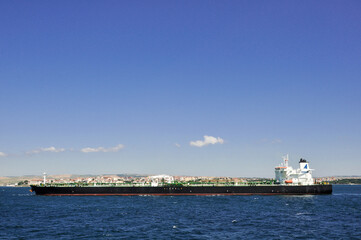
2 154
272 141
48 149
102 149
207 140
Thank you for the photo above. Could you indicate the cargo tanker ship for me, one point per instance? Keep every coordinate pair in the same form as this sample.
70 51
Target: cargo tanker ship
288 181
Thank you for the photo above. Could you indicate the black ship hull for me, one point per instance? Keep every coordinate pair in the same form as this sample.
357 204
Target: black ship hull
183 190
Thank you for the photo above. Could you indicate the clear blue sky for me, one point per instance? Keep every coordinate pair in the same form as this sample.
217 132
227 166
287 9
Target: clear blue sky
266 77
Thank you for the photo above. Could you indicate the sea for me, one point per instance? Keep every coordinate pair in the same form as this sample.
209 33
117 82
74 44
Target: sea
24 215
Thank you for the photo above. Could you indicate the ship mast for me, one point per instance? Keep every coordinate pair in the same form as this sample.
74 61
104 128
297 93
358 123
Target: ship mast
285 159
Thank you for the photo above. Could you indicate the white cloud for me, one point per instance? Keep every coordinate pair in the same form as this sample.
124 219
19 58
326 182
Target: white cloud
102 149
275 141
3 154
48 149
207 140
52 149
177 145
272 141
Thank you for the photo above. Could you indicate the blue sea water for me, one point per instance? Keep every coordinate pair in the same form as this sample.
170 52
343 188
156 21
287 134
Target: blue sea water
26 216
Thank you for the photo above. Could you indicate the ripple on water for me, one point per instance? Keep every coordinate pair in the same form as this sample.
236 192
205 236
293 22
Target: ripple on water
24 215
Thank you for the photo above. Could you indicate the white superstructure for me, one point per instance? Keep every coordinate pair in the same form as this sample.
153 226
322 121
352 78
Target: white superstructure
44 174
155 180
286 175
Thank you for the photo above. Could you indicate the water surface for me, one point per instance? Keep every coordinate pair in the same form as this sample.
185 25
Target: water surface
26 216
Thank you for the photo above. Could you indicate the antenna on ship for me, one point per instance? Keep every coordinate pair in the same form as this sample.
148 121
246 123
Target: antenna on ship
44 177
286 160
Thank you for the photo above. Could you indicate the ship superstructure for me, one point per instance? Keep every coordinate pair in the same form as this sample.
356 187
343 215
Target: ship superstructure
286 175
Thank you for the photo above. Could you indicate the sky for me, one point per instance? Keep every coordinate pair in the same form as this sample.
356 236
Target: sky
211 88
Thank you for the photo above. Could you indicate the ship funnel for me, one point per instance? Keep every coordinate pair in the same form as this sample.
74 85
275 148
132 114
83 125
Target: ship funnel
304 165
